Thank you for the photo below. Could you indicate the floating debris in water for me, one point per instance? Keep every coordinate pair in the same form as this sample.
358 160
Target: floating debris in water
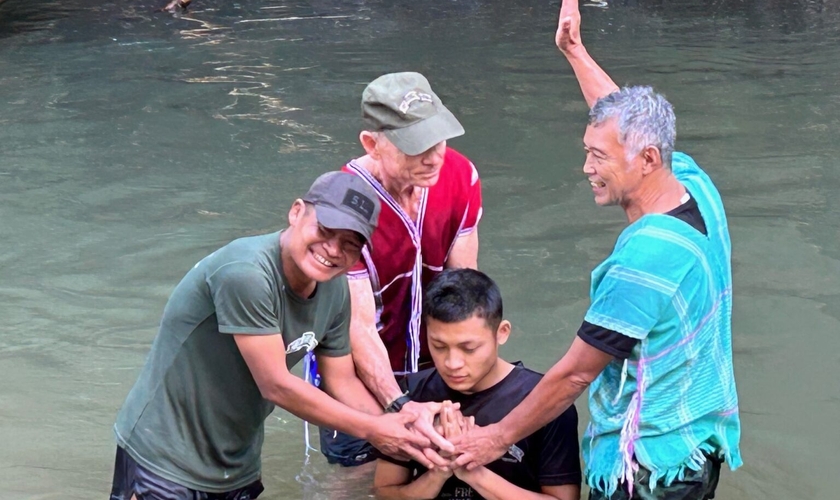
295 18
599 4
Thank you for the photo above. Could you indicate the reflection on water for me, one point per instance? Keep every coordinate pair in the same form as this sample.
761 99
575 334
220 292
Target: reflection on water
133 143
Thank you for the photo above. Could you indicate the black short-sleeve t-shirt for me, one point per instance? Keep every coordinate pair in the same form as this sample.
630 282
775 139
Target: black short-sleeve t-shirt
548 457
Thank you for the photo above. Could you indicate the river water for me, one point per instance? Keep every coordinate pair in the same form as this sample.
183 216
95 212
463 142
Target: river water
133 143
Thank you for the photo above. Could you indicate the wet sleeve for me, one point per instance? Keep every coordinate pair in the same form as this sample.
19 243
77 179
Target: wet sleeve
244 300
560 453
336 341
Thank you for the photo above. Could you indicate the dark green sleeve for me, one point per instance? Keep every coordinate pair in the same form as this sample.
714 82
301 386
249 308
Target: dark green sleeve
244 300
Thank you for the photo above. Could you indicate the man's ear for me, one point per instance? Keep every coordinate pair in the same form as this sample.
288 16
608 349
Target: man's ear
503 332
651 159
369 140
296 212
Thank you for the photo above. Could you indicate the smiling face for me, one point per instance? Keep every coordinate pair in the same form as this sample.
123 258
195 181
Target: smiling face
466 353
613 178
313 252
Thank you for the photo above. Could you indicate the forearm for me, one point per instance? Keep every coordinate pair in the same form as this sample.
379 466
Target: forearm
556 392
372 364
370 356
305 401
353 393
492 486
594 81
426 486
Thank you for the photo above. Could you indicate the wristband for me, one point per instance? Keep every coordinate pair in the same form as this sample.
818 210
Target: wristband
397 404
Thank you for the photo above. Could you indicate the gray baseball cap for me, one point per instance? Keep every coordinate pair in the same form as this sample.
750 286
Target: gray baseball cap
403 106
345 201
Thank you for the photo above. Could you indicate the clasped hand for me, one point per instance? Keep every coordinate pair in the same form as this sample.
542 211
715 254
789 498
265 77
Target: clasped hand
428 428
452 424
441 438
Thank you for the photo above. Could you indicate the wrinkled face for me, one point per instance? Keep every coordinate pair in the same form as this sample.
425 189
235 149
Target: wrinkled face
421 170
318 252
466 353
613 178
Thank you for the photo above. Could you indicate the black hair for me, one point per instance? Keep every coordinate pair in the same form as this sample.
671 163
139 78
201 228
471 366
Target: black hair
459 294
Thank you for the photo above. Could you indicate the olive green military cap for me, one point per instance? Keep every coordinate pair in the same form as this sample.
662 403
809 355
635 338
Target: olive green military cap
404 107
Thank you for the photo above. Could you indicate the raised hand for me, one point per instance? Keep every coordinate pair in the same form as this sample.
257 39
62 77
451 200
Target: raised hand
567 37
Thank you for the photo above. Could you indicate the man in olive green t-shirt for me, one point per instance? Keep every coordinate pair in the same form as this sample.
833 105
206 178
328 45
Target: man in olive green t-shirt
193 424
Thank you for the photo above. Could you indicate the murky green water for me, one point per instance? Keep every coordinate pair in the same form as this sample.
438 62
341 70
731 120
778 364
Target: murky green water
133 143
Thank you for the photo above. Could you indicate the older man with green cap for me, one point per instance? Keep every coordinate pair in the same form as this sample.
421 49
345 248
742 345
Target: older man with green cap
192 425
431 206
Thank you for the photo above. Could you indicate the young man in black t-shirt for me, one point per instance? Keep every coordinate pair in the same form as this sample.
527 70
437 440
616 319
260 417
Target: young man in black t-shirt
463 314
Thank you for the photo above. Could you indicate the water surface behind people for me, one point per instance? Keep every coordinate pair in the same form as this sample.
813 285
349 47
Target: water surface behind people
134 143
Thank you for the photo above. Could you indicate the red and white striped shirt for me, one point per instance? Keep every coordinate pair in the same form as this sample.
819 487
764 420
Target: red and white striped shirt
407 254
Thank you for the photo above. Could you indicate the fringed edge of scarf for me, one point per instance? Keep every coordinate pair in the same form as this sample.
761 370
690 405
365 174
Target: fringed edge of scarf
608 484
695 461
626 470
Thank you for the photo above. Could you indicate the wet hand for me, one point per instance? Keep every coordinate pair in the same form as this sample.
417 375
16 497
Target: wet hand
393 437
423 421
453 423
478 446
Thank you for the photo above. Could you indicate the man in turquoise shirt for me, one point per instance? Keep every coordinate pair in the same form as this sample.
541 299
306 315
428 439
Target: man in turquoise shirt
656 342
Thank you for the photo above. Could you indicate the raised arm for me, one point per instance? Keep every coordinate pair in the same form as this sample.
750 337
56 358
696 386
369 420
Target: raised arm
594 81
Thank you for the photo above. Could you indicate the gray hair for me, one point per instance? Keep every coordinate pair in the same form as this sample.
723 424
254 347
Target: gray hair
645 118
